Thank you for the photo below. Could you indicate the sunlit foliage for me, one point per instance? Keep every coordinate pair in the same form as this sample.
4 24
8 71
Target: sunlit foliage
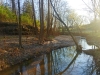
6 15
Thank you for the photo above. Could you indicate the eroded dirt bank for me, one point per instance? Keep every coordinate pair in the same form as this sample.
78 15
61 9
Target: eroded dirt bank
10 54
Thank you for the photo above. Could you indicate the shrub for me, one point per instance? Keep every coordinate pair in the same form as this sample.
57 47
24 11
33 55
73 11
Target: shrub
6 15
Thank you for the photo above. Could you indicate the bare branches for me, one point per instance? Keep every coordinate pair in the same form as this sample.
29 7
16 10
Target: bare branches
88 6
69 64
96 7
59 18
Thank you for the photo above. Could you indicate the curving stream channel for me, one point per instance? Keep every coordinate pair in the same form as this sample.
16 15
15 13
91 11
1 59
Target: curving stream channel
63 61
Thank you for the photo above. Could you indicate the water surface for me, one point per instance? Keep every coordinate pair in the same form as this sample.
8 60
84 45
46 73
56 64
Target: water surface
63 61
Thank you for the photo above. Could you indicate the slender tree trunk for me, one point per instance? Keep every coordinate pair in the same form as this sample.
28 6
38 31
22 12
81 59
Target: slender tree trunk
40 21
48 21
19 25
13 6
54 27
41 36
14 9
51 23
34 17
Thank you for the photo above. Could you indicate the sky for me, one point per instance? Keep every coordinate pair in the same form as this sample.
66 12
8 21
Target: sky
79 6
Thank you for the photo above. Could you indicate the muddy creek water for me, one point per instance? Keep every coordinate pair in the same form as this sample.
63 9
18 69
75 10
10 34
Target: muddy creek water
63 61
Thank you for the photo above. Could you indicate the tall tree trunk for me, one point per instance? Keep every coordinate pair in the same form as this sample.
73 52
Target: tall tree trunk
34 17
13 6
19 25
54 27
48 19
14 9
51 23
41 36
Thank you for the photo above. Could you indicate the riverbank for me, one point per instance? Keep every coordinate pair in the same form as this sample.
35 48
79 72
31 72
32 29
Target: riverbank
11 55
93 38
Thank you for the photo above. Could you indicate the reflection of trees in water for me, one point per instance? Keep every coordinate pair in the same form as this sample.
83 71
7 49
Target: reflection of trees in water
42 67
56 61
97 65
64 61
61 58
82 67
52 64
89 67
94 67
69 65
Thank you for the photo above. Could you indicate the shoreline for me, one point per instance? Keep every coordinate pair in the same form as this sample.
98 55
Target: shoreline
11 55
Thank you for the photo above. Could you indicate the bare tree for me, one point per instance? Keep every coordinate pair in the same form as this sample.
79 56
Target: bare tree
48 19
13 6
59 18
95 7
19 24
34 18
41 35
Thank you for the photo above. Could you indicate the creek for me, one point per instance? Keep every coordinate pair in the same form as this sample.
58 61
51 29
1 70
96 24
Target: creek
63 61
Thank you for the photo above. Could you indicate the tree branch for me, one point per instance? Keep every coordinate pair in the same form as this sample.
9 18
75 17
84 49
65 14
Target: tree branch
59 18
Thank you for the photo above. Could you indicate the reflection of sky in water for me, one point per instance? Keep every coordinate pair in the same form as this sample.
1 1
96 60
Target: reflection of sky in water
58 60
61 58
81 66
84 44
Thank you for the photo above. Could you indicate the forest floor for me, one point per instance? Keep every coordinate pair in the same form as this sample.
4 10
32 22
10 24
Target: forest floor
11 55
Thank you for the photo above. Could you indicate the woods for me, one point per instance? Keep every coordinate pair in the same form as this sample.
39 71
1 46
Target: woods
37 16
39 21
43 19
33 28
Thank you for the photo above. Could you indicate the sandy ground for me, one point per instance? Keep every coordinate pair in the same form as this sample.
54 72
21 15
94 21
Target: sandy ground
10 54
